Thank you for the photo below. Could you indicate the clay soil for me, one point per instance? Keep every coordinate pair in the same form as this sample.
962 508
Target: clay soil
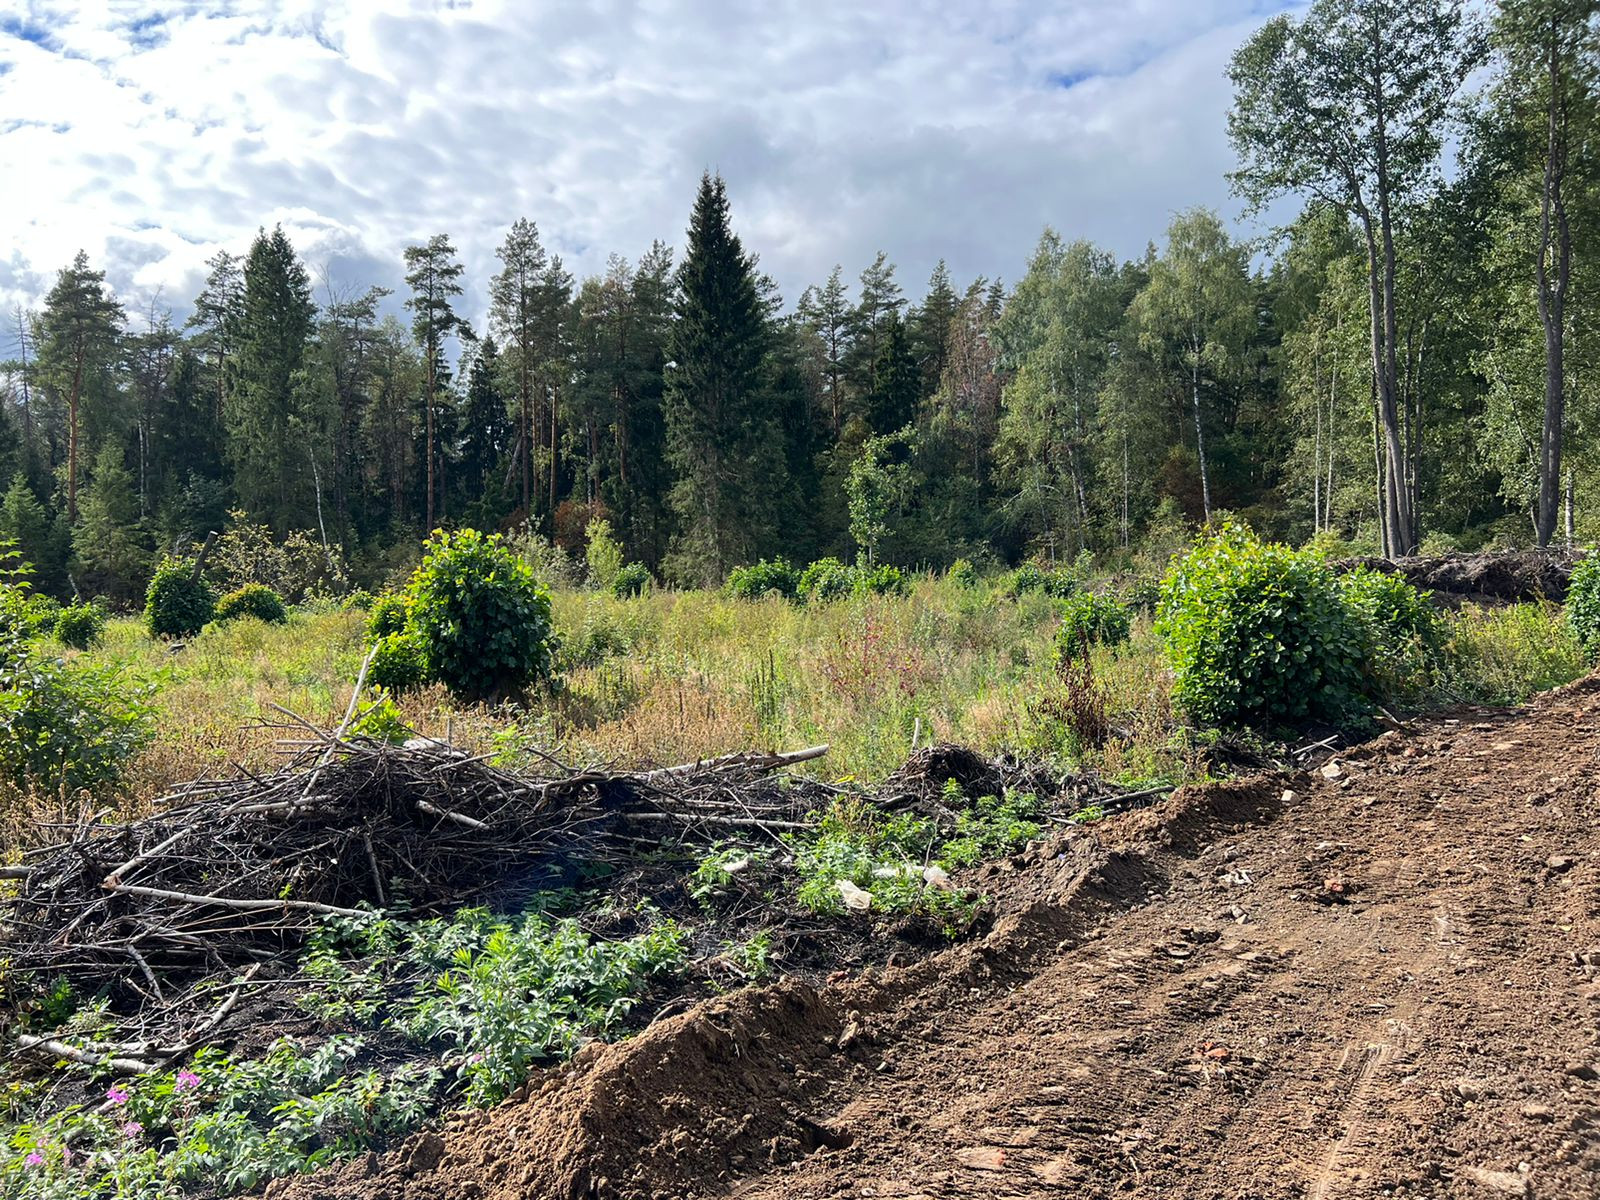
1379 979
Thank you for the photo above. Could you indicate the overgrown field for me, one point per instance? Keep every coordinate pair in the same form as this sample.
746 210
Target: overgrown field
364 1023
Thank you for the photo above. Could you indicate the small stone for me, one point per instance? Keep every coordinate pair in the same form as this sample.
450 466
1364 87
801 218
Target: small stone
1508 1182
1332 770
1538 1112
1561 862
1582 1070
982 1158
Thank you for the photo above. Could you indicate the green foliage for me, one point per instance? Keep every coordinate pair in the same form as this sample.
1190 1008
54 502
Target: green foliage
80 625
826 579
386 615
253 600
218 1125
881 580
1583 603
995 825
603 555
26 614
631 580
482 619
1403 632
722 865
494 995
1031 577
398 662
71 726
776 577
359 600
1090 619
962 573
1257 632
381 720
177 604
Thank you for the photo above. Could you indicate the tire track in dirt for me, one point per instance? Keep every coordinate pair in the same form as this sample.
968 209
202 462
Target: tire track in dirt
1384 984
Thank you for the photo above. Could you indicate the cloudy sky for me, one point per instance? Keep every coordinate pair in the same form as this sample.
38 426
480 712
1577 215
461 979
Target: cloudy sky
150 134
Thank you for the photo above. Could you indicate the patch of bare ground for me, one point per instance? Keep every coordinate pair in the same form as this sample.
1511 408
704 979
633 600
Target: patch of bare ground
1382 979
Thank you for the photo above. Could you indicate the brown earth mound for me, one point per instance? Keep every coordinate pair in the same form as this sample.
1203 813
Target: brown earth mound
1379 980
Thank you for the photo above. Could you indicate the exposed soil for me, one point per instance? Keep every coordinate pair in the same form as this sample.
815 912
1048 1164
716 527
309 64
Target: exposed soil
1386 982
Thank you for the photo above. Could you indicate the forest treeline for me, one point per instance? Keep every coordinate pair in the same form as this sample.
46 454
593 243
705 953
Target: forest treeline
1410 362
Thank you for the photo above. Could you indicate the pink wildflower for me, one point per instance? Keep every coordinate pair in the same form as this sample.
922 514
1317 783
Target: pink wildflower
34 1159
132 1129
116 1095
186 1080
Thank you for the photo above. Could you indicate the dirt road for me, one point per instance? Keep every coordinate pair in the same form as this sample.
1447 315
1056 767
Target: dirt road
1384 983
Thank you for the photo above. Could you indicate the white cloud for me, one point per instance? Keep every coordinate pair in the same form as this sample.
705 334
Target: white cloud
152 133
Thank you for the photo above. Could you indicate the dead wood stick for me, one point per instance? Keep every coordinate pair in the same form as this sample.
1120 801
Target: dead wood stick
15 872
236 989
148 973
133 1066
114 876
741 758
227 902
727 822
434 810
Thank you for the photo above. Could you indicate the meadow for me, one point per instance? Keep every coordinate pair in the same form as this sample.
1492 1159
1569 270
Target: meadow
673 676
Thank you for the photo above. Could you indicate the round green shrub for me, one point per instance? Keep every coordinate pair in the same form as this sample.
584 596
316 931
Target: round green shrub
80 625
631 580
1257 632
358 600
763 578
826 579
252 600
177 604
397 663
881 580
386 615
1583 603
1026 578
962 573
481 617
1395 614
1089 619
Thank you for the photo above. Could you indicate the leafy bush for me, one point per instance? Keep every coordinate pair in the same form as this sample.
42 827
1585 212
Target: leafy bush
881 580
826 579
1259 632
26 614
253 600
482 619
1583 603
1031 577
386 615
177 603
1089 619
631 580
398 663
67 725
602 555
80 625
1402 630
776 577
962 573
358 600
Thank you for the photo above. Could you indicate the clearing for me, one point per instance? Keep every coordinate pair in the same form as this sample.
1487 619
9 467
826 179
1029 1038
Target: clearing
1382 978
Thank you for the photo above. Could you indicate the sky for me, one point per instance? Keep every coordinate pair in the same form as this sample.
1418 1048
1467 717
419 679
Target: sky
152 134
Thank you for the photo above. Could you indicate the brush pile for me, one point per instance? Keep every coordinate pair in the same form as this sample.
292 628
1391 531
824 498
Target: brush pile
237 871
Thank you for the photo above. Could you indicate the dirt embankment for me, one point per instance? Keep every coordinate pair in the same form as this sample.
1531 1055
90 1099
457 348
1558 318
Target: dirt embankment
1381 983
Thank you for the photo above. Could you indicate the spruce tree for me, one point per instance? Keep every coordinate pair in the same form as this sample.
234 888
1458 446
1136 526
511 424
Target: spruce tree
275 322
722 435
110 538
896 382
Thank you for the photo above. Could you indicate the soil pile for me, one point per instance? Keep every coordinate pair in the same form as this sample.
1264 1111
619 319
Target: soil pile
1379 979
1503 576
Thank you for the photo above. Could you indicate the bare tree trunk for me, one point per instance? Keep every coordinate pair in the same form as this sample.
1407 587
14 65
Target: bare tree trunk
72 439
1552 298
1569 510
1199 432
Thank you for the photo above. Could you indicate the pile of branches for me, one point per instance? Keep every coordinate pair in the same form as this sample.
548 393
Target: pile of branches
240 870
